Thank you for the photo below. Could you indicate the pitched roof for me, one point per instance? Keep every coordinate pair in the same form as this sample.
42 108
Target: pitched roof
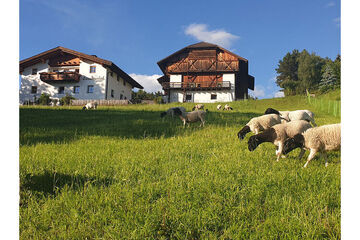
199 45
47 54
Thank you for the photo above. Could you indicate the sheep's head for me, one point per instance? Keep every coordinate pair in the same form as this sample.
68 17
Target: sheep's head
253 143
162 114
84 107
177 111
243 132
272 111
292 143
193 109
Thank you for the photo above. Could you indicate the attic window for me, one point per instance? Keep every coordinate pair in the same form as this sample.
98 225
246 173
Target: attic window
118 78
111 73
92 69
124 82
34 71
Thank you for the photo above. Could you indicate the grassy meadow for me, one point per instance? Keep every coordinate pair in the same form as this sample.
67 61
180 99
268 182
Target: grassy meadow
124 173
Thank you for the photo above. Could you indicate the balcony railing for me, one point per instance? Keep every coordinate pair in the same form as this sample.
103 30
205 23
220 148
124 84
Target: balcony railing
197 85
60 76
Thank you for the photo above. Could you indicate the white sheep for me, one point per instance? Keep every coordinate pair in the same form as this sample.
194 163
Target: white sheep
319 139
227 107
198 107
294 115
90 105
190 117
258 124
218 107
278 134
170 111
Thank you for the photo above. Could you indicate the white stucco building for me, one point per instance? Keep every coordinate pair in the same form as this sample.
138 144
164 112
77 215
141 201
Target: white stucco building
60 71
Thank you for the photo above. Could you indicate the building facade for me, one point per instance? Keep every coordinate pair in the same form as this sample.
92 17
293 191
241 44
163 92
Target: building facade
205 73
60 71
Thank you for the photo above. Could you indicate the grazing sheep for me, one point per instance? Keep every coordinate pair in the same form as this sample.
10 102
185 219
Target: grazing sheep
227 107
218 107
278 134
170 111
294 115
90 105
198 107
319 139
258 124
190 117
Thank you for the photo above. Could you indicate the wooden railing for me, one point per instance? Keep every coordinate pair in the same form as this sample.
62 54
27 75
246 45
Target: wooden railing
197 85
60 76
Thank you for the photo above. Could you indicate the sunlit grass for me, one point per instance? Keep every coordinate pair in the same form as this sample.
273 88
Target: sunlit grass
125 173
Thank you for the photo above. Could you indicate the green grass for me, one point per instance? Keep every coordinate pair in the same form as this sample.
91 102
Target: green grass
125 173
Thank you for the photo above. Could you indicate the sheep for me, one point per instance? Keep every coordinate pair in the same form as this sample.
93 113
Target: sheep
189 117
170 111
218 107
319 139
90 105
278 134
258 124
294 115
227 107
198 107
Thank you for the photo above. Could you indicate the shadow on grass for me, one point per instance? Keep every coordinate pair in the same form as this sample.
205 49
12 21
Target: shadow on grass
65 125
50 182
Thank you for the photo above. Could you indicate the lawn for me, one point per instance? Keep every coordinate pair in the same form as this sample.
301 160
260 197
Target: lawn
124 173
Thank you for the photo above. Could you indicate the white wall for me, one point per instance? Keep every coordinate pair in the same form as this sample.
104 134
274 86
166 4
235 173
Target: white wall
118 87
175 78
97 79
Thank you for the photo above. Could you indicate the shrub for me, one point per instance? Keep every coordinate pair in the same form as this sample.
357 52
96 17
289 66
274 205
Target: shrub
66 100
44 99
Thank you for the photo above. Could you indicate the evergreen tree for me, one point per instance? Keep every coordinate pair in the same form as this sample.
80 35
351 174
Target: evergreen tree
288 72
329 79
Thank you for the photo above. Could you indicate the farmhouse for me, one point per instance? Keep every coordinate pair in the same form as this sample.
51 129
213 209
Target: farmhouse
205 72
60 71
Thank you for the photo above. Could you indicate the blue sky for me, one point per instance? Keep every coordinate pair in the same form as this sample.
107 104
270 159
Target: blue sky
137 34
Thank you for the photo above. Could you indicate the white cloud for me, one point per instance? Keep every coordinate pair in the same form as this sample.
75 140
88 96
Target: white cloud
337 21
149 82
259 91
279 94
330 4
217 36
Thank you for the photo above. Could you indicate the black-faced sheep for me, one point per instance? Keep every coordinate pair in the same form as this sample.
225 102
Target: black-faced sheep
258 124
227 107
170 111
278 134
198 107
190 117
319 139
293 115
218 107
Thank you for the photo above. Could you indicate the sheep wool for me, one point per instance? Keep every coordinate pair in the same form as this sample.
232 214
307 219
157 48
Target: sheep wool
258 124
190 117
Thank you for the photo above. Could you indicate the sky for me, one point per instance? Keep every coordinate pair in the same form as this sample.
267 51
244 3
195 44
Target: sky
135 35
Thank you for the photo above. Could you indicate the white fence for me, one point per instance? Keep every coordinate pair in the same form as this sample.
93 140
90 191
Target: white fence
81 102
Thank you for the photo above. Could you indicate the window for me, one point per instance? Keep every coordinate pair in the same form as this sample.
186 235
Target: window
111 73
76 89
118 78
34 71
124 82
33 89
121 96
92 69
125 98
188 97
213 96
112 93
90 88
61 90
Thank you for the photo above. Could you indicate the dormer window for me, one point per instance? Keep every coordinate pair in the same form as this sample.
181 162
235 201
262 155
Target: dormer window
92 69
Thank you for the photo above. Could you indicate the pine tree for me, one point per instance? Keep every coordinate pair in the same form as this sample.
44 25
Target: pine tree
328 80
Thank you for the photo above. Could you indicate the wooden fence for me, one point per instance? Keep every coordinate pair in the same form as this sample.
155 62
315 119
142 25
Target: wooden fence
81 102
332 107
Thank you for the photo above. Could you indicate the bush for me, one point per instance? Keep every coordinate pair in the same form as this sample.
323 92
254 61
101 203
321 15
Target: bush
66 100
44 99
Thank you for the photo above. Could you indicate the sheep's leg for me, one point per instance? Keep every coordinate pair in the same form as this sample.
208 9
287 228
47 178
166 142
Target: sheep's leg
279 151
301 154
323 155
310 157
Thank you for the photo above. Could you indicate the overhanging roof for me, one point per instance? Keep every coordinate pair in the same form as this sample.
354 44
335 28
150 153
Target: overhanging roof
54 51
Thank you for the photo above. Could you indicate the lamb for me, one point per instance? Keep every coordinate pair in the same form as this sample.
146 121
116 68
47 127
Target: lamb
170 111
218 107
319 139
278 134
294 115
90 105
258 124
198 107
227 107
189 117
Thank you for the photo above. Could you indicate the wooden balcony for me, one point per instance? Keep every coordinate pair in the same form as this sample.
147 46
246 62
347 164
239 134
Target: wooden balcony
197 86
60 77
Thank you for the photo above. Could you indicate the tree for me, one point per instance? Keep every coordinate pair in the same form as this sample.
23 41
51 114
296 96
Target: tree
329 79
288 72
